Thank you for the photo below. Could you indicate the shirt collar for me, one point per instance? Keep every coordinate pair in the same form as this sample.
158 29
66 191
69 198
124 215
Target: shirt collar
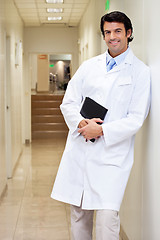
119 59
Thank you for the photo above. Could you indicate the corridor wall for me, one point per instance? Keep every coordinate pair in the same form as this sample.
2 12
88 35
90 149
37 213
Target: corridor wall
14 31
132 206
151 149
11 27
140 211
3 178
89 31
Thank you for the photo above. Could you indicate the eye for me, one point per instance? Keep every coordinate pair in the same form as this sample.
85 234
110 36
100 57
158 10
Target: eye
118 30
107 32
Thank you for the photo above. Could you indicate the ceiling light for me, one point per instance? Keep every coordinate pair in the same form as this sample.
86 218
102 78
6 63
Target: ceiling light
54 18
54 1
54 10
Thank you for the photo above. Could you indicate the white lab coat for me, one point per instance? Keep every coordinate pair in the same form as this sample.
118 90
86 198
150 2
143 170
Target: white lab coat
99 171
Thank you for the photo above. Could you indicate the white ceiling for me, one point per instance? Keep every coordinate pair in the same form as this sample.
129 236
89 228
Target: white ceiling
34 12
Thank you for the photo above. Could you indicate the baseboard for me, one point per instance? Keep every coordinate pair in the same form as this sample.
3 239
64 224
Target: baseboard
123 235
17 162
41 92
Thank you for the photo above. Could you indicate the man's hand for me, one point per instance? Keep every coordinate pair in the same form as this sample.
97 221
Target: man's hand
82 123
91 129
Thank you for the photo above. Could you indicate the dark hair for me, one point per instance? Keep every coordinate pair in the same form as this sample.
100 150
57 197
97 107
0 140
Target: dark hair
117 17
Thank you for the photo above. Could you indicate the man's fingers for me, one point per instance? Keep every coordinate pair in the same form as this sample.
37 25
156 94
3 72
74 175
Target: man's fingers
97 120
82 123
81 130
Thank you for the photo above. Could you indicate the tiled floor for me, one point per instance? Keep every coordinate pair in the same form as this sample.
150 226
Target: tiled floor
26 211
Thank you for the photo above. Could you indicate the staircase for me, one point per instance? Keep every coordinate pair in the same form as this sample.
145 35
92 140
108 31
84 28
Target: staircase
47 120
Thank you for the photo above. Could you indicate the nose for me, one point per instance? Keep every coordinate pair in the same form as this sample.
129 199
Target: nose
112 35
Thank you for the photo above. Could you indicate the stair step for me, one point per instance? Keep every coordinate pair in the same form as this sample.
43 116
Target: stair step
49 134
48 126
46 111
47 119
47 97
46 104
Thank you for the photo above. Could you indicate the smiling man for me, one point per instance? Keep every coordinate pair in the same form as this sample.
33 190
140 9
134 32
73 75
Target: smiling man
93 175
116 37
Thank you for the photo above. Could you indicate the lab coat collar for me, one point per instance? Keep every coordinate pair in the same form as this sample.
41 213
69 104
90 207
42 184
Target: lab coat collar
128 60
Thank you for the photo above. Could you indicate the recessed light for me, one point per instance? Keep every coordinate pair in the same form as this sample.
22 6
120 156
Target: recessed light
54 18
54 10
54 1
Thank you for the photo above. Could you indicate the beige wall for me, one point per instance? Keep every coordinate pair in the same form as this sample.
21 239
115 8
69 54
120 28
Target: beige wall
33 70
151 163
52 40
140 211
2 100
132 206
10 28
14 30
89 31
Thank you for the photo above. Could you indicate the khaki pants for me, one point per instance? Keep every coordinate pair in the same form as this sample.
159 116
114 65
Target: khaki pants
107 224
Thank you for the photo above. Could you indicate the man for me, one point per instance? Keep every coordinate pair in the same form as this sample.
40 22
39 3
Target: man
93 175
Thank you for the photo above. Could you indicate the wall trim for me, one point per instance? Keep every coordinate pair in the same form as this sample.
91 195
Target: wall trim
17 162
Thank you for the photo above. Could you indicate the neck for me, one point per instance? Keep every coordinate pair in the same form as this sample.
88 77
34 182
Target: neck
113 55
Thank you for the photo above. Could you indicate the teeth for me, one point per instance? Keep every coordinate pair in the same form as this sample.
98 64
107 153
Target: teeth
114 42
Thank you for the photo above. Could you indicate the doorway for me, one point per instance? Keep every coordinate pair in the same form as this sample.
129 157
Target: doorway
50 73
59 72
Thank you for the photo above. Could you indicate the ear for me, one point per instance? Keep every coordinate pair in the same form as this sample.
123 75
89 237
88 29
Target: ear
129 32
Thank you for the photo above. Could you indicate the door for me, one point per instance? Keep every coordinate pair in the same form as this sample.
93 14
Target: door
42 73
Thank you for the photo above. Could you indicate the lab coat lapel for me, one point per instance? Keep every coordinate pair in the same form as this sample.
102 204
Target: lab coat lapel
102 63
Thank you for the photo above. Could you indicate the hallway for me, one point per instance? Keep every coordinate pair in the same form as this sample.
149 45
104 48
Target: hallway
26 210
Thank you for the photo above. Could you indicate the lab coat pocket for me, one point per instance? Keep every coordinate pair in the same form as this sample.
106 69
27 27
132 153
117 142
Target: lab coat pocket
121 97
123 91
117 154
124 81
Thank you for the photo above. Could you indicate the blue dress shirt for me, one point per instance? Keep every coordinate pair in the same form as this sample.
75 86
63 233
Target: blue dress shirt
119 59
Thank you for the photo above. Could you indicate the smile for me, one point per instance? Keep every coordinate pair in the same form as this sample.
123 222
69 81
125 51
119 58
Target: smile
114 42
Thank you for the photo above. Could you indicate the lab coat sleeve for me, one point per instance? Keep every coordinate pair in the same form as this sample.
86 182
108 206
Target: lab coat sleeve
72 100
122 129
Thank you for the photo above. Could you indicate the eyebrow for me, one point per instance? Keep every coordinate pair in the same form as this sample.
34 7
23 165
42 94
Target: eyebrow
114 29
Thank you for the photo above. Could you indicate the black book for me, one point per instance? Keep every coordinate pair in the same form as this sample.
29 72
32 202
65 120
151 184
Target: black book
91 109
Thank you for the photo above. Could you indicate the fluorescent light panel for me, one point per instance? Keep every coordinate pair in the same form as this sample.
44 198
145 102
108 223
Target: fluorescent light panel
54 18
54 1
54 10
